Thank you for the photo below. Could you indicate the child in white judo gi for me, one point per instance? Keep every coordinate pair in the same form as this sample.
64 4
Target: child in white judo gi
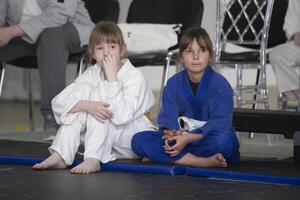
107 103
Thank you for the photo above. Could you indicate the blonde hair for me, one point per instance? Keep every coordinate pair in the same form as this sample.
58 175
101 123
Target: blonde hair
104 31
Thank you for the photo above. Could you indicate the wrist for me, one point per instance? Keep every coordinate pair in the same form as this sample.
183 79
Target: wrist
15 31
84 105
111 77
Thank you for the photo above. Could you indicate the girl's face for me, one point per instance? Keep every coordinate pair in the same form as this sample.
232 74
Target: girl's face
194 58
104 49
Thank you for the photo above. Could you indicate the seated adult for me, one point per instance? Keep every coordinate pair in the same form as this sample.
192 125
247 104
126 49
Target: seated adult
285 57
49 30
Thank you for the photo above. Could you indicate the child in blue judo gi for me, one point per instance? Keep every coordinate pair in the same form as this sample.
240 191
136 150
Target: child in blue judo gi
195 120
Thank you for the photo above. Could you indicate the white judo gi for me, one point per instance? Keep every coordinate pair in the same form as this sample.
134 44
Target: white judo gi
285 57
129 98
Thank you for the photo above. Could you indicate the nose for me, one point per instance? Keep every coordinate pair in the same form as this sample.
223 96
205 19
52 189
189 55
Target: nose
106 51
195 55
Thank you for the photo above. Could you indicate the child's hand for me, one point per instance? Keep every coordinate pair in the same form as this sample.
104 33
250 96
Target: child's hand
110 66
297 38
99 110
180 141
168 133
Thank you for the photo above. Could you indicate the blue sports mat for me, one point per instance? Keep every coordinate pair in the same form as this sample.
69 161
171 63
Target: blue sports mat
263 171
111 166
242 176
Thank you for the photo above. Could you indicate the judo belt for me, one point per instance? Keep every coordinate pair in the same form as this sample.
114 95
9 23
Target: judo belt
172 170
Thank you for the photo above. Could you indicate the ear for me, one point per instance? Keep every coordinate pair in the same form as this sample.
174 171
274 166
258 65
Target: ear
124 51
180 59
211 59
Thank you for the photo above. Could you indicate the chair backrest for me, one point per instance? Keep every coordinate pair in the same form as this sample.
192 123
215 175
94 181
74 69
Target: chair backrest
242 22
187 12
103 10
276 34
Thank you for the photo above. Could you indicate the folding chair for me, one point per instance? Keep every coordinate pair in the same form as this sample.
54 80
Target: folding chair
186 12
98 10
244 22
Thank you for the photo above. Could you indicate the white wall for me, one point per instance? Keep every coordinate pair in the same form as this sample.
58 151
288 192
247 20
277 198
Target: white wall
15 79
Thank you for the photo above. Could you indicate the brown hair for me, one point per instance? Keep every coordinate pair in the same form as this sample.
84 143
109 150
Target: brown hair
104 31
201 37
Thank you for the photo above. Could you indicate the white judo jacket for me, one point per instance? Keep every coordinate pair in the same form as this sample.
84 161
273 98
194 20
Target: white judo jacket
129 97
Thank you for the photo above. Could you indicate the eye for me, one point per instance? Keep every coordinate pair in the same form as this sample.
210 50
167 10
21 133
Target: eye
202 50
188 51
113 46
99 47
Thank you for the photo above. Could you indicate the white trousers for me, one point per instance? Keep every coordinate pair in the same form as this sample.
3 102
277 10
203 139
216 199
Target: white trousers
283 59
102 141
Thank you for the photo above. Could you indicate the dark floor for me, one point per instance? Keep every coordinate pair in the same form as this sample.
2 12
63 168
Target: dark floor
21 182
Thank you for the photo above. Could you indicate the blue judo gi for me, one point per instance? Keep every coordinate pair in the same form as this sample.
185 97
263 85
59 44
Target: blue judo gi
212 102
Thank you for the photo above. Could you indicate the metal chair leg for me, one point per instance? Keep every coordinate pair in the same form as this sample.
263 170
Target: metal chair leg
165 76
239 85
2 72
30 102
81 65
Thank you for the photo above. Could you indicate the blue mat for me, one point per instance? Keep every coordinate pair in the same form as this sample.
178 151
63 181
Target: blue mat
111 166
242 176
170 170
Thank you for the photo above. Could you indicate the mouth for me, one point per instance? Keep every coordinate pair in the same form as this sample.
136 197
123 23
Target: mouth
196 64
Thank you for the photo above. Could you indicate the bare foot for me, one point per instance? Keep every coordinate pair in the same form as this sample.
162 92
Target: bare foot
89 165
54 161
216 160
145 159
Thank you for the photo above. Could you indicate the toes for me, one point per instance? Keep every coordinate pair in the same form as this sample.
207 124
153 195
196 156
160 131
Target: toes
38 166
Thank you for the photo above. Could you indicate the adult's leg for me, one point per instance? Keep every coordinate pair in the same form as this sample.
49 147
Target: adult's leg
64 145
283 58
53 48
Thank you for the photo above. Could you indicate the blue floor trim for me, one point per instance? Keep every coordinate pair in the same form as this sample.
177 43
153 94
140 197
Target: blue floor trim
19 160
22 160
170 170
111 166
138 168
242 176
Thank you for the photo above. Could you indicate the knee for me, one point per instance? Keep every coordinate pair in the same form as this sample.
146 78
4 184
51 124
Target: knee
227 144
139 141
51 36
277 53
